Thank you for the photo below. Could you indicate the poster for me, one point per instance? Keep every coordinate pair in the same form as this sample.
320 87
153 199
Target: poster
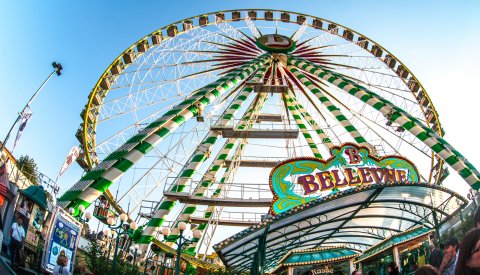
35 225
64 237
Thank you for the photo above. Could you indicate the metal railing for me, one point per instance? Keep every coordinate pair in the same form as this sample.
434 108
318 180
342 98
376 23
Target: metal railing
244 191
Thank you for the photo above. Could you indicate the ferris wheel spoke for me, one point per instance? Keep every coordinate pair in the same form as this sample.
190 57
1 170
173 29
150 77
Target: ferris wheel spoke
251 26
435 142
311 143
102 179
232 32
300 31
376 118
213 171
164 167
153 226
329 105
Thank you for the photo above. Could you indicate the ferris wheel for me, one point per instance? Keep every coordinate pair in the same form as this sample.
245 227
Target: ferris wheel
186 123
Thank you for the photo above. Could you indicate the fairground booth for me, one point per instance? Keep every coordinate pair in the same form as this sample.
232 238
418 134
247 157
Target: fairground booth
352 211
32 209
317 261
409 248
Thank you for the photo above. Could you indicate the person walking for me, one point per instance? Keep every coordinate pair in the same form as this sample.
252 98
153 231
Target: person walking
16 242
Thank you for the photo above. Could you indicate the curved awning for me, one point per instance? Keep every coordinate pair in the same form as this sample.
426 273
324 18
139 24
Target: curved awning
320 255
358 218
394 240
37 194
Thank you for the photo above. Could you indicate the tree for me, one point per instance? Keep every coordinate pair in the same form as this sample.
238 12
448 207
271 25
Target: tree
459 231
28 167
98 263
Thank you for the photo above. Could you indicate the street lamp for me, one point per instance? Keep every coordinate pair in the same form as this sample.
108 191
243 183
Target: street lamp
135 250
83 217
122 229
181 241
57 68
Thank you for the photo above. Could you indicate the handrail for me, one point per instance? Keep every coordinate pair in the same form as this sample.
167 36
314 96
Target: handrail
247 191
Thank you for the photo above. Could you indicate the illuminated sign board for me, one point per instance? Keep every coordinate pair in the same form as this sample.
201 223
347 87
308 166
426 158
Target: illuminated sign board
298 181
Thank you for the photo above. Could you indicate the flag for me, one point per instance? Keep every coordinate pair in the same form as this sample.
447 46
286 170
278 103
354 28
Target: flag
72 156
25 117
3 179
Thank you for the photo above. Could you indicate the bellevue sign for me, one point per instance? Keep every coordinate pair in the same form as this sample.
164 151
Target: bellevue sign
297 181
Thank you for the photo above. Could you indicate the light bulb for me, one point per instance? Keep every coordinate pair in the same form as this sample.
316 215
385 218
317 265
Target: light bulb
71 210
133 225
123 217
88 215
182 226
165 231
197 234
81 208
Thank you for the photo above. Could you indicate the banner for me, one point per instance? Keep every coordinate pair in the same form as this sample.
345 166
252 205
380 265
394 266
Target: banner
35 225
25 117
63 240
3 180
72 156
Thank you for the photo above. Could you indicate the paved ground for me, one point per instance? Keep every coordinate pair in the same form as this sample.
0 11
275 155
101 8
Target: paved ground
5 267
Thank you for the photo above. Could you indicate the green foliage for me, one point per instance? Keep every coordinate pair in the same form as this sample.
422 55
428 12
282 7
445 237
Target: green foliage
28 167
98 263
223 272
459 231
190 270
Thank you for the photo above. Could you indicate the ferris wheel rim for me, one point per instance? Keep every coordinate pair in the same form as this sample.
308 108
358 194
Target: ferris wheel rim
89 126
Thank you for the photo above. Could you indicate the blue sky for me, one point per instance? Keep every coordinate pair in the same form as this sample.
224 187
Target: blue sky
437 40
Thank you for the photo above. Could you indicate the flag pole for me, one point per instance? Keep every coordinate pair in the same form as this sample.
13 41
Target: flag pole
57 69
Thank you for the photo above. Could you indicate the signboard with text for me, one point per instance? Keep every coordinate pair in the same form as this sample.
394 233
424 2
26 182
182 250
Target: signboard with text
64 237
297 181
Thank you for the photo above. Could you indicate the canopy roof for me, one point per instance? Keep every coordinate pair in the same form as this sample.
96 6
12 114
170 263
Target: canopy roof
358 218
37 194
317 256
396 239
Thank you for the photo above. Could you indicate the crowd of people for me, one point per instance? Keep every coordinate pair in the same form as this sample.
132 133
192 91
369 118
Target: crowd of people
463 259
458 258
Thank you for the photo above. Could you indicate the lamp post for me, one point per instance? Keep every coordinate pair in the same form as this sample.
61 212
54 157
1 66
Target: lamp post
57 69
181 241
83 217
135 250
122 229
